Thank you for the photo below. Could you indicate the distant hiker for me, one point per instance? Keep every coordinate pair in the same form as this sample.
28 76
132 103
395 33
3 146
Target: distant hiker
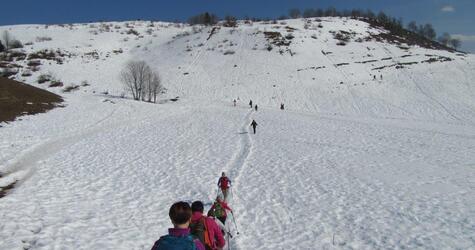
374 77
218 209
254 125
255 107
179 237
282 106
224 184
205 228
381 77
250 104
234 101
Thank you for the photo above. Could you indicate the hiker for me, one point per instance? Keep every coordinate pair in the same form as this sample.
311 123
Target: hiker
250 104
179 236
218 209
234 101
205 228
254 125
255 107
374 77
282 106
224 183
381 77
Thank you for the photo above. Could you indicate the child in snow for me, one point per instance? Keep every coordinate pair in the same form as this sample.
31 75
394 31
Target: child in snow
179 237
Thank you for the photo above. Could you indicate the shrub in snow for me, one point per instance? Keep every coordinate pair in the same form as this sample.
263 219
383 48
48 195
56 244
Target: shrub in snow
341 43
7 72
43 38
55 83
9 42
44 78
132 32
26 73
70 88
289 36
33 63
229 52
34 68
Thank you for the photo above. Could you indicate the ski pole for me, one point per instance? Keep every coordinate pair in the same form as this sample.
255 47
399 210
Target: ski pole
234 220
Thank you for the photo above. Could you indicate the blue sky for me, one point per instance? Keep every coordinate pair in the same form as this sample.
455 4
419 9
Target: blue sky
453 16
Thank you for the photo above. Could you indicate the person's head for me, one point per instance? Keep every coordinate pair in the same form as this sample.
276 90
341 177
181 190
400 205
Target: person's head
219 198
197 206
180 214
223 174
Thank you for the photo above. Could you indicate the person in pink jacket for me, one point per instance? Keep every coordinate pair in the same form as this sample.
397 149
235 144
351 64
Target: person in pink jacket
205 228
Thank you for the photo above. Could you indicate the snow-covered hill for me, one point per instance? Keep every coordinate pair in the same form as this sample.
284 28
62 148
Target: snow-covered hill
313 73
375 150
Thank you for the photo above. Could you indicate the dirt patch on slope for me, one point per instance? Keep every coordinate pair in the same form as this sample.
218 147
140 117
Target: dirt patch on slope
17 99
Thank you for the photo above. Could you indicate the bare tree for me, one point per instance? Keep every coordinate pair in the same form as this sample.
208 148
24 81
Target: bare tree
141 81
444 39
308 13
154 87
455 43
230 21
294 13
7 39
133 76
412 26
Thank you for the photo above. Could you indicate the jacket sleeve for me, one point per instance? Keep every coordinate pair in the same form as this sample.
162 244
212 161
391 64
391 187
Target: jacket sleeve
219 181
199 245
217 233
225 206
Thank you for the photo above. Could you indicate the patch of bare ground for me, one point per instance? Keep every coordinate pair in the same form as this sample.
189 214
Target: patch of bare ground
17 99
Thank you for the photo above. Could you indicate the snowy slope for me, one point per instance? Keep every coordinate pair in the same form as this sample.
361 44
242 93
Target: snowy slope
308 80
352 163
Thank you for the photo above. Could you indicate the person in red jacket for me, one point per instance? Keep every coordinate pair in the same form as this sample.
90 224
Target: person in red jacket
218 209
211 237
224 183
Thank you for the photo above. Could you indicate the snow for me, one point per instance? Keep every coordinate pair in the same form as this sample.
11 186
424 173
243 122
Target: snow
367 164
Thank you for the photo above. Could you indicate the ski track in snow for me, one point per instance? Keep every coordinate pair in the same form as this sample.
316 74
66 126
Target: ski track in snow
236 169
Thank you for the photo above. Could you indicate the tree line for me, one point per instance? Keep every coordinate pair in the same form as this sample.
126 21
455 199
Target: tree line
392 24
388 22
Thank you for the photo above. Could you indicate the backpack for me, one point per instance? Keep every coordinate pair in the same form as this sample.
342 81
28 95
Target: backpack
218 210
199 231
169 242
224 182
